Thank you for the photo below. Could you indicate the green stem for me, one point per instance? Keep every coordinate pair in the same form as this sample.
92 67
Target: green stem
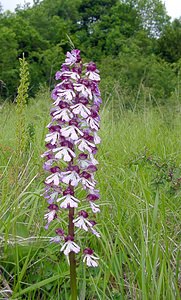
73 280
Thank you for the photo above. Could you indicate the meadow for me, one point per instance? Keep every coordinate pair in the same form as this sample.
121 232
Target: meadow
139 178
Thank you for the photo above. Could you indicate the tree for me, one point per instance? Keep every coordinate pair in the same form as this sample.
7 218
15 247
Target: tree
106 33
90 11
169 44
153 15
118 29
8 63
1 9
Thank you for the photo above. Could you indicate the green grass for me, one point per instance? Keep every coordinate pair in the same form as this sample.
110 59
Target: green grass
140 210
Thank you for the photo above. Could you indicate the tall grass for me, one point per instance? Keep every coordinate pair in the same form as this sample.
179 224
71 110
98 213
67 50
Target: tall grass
139 178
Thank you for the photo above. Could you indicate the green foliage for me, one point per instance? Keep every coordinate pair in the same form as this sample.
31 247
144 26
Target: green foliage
114 28
21 100
91 11
134 45
169 44
140 212
165 173
42 47
131 36
8 63
153 15
148 80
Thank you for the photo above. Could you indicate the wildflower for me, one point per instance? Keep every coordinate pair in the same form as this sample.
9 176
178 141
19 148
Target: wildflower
87 180
72 57
89 258
71 177
60 236
72 132
62 114
80 109
67 95
93 223
52 137
69 201
92 123
83 90
55 177
70 157
69 246
64 153
52 214
81 221
84 145
97 139
94 207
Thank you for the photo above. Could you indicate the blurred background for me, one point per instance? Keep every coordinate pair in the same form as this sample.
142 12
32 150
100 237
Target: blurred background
136 44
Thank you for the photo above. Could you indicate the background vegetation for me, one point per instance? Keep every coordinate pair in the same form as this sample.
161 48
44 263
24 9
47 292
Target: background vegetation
134 43
137 48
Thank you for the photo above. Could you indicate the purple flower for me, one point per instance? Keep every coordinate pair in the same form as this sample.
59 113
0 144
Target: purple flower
92 197
80 109
93 230
69 246
89 258
68 201
59 237
70 177
73 57
59 231
91 67
54 178
81 221
51 215
91 168
71 148
92 75
64 153
71 132
62 115
83 156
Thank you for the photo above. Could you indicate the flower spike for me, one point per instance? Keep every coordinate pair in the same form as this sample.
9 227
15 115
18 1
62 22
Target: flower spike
70 156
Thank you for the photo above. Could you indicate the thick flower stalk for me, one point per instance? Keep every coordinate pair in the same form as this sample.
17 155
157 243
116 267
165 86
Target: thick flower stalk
71 146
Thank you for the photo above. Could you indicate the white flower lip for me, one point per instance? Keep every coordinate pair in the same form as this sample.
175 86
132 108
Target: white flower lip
50 216
95 207
70 177
71 132
82 223
93 76
72 75
84 145
97 139
95 232
83 90
80 109
63 114
69 201
92 123
54 178
66 94
52 137
64 153
71 59
88 184
90 260
70 246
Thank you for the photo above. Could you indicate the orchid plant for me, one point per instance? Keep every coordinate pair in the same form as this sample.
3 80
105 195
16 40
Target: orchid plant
71 146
